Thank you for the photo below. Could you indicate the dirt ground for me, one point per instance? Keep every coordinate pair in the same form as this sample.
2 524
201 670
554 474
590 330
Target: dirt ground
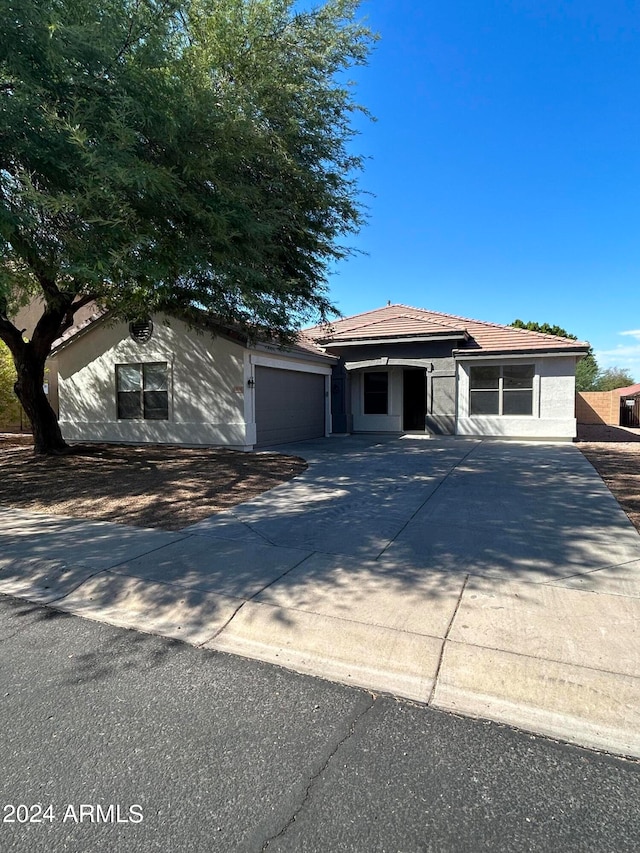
165 487
615 454
171 487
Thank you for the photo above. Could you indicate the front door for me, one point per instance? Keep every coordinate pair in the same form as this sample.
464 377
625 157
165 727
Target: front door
414 399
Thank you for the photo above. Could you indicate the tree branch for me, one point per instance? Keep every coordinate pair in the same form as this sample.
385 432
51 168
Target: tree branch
55 320
11 336
130 39
30 256
82 301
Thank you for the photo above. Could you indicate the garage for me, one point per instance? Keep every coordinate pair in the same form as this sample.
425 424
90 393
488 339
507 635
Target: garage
290 405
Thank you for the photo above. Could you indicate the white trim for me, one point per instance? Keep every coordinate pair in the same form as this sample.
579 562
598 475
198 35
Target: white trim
285 364
249 392
369 363
384 361
461 356
411 339
300 355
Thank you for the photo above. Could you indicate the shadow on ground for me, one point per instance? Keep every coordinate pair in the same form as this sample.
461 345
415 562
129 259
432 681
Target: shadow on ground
149 486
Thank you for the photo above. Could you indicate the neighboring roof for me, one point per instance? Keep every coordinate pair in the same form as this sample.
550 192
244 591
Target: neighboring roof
95 314
396 323
629 391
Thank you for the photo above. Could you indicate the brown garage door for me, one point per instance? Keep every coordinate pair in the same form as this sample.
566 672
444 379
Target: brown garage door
289 405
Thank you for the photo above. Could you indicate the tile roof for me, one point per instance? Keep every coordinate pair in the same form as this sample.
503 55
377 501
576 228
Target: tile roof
395 322
390 321
304 344
402 321
308 345
629 391
95 313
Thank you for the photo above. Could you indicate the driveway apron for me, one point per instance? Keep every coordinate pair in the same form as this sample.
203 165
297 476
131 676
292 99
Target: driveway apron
495 579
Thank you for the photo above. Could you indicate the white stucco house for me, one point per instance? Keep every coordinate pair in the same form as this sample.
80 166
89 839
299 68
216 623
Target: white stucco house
393 370
167 383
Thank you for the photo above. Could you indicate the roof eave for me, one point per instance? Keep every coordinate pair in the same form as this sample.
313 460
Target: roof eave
79 333
396 339
302 354
512 353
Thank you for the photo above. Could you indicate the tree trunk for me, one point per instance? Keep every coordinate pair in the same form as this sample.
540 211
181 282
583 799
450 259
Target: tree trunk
47 437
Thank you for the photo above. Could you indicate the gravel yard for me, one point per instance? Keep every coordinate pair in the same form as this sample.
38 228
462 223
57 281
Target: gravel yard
615 454
167 487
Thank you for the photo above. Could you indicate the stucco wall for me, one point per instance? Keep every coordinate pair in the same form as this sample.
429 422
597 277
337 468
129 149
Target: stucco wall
441 402
206 386
438 363
553 402
392 421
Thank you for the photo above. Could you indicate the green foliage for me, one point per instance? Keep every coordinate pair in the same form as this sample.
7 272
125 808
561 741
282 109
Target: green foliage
9 405
545 328
589 377
612 378
586 369
169 154
587 373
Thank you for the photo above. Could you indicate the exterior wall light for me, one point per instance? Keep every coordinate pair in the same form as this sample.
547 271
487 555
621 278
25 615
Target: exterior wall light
251 382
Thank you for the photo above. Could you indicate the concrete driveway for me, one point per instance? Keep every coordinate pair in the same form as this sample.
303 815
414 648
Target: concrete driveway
495 579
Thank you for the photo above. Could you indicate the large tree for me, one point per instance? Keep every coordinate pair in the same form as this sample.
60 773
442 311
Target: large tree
612 378
9 405
586 369
168 155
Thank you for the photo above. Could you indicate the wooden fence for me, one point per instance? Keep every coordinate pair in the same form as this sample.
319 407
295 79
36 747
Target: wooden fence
630 412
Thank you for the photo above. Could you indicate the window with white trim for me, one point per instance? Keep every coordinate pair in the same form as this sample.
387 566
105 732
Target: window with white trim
501 390
142 391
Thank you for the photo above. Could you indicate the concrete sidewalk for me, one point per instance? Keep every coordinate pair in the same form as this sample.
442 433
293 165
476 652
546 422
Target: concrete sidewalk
494 579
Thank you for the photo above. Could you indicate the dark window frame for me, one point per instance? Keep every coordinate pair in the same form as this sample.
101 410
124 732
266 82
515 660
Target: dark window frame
142 402
375 401
490 395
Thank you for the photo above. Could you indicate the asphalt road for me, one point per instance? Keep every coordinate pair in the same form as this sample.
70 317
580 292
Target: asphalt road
113 740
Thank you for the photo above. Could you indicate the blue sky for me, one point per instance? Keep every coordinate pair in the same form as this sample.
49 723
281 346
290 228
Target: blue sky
505 166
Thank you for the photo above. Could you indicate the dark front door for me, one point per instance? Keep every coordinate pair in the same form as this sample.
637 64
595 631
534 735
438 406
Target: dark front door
415 399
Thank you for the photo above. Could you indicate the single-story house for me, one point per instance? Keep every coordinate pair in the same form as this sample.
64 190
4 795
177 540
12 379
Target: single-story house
393 370
166 382
405 369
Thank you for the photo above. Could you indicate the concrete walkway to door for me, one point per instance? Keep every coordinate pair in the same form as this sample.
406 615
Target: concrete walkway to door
495 579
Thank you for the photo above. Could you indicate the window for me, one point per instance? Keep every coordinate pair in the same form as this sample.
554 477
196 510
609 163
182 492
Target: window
506 390
142 391
376 387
